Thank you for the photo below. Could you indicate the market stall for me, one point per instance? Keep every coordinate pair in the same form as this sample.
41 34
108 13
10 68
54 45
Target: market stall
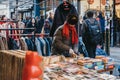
12 67
61 68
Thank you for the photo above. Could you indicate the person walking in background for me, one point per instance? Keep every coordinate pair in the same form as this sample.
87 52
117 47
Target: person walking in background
65 40
4 24
100 51
26 20
91 34
37 19
40 24
31 24
50 18
47 26
63 10
80 20
21 24
102 24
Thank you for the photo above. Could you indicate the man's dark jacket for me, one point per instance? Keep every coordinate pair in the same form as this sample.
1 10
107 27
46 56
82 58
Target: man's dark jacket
60 17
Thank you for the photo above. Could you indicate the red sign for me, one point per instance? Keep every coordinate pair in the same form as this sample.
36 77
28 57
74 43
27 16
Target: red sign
117 1
90 1
103 2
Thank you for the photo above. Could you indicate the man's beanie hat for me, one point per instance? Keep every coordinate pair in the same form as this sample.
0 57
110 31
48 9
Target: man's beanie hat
72 19
90 13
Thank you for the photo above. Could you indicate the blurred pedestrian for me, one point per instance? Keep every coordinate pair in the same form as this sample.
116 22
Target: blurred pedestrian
91 34
63 10
40 24
50 18
47 26
31 24
102 24
26 20
100 51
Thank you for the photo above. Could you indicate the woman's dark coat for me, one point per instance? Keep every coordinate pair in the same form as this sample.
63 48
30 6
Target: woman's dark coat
60 17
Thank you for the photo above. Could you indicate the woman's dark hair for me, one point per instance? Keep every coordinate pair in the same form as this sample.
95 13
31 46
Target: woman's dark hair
3 17
90 13
72 19
34 19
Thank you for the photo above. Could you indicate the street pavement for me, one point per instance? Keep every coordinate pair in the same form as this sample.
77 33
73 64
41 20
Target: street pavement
115 54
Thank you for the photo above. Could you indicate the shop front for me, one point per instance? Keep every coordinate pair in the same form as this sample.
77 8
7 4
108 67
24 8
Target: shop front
116 19
99 5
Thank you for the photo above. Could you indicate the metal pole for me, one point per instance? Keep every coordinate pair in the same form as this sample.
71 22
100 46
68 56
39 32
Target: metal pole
45 8
16 10
78 8
36 8
107 27
113 25
53 5
9 5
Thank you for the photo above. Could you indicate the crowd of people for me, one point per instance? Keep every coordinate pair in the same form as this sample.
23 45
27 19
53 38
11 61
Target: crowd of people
91 29
63 25
31 22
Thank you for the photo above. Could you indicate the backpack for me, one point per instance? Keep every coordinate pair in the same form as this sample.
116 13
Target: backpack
94 32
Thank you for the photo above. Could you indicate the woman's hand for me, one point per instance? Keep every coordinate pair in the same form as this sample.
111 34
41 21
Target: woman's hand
72 53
